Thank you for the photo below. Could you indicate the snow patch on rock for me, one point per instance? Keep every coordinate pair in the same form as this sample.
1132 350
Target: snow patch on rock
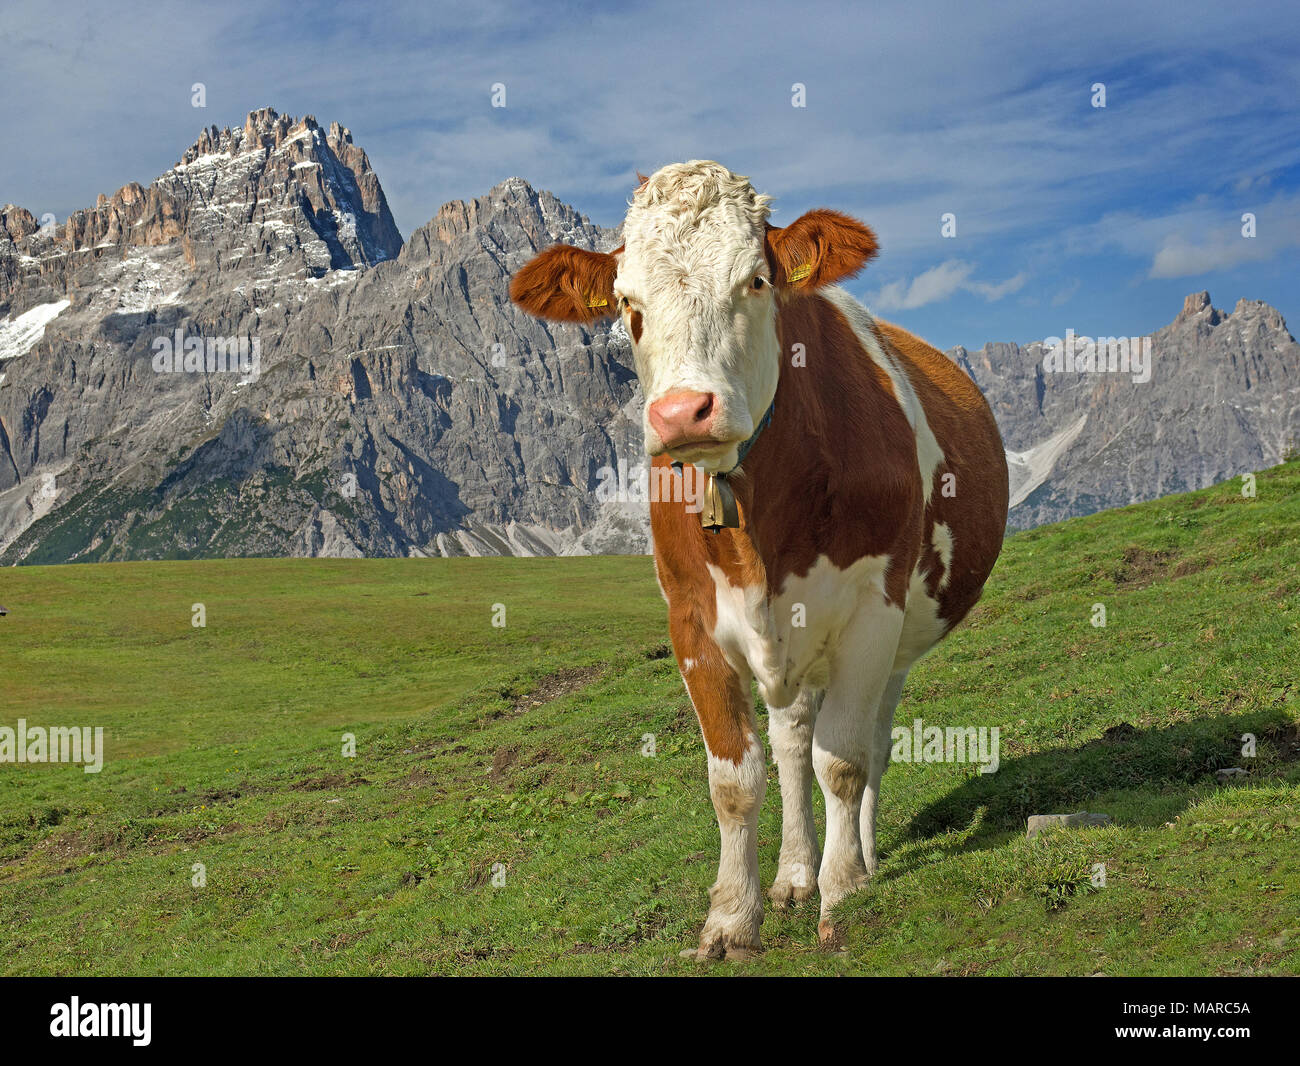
18 335
1029 469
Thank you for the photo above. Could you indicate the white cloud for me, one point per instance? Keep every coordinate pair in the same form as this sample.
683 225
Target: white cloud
1201 249
939 283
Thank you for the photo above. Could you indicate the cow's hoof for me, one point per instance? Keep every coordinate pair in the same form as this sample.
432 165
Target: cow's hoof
728 954
718 950
830 935
787 889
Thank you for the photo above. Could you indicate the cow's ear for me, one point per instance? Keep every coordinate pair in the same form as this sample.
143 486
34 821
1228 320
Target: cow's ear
818 248
567 284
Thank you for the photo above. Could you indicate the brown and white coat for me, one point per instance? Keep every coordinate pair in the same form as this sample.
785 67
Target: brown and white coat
871 508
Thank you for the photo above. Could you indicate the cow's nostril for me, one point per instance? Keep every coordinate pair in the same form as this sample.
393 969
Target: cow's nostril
683 416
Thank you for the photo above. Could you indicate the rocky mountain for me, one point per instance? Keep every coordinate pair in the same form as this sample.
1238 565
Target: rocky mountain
1212 395
366 397
244 358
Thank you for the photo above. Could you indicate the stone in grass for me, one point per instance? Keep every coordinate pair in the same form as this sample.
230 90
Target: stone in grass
1039 822
1228 773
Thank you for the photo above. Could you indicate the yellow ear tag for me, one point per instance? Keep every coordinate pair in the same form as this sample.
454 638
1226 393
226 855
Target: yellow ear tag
597 301
799 273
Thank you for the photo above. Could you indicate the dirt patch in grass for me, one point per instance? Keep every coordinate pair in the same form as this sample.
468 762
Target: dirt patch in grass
212 797
1286 738
555 685
1140 567
502 760
1192 566
328 781
1116 734
418 777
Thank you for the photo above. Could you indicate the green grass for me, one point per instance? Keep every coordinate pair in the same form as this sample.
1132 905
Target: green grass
519 749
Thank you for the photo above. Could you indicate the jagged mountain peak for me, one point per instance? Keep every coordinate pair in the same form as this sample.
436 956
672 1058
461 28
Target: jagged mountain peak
1205 397
512 214
276 197
302 169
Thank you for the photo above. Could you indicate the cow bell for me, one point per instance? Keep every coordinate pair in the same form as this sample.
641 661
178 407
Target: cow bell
718 508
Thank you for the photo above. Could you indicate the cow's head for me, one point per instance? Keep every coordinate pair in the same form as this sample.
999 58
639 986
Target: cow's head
697 284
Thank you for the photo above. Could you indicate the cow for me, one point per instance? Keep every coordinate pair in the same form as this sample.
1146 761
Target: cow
854 502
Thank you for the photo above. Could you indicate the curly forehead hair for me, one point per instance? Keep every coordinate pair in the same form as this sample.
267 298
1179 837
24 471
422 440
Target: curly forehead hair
701 187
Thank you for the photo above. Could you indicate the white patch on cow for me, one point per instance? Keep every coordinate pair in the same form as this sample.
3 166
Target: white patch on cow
688 665
922 626
693 243
758 632
928 453
941 540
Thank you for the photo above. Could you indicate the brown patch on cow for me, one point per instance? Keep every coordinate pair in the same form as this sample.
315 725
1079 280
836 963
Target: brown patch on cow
976 511
567 284
818 248
724 709
555 685
635 322
731 802
844 779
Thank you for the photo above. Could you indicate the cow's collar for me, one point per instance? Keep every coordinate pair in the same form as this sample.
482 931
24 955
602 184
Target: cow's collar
718 507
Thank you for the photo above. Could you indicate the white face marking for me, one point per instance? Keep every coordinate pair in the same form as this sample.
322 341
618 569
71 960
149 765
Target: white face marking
693 245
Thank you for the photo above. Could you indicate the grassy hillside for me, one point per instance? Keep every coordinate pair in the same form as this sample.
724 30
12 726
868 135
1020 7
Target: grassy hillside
519 750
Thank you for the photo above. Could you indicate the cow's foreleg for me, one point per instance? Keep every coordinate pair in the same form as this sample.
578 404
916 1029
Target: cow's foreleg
791 729
737 781
844 741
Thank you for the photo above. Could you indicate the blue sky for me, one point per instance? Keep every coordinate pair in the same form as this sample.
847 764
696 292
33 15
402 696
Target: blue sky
1068 216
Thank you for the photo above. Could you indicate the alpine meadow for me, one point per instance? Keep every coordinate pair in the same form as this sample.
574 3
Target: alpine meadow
602 499
447 844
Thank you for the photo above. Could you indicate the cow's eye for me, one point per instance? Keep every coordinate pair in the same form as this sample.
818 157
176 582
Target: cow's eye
758 283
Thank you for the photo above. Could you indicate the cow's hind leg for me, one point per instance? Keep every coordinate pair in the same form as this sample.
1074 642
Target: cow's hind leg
880 749
791 729
844 743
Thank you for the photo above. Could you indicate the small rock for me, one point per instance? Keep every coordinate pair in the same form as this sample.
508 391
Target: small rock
1228 773
1039 822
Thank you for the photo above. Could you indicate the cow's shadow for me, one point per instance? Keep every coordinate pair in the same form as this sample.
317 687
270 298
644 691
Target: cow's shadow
1160 767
